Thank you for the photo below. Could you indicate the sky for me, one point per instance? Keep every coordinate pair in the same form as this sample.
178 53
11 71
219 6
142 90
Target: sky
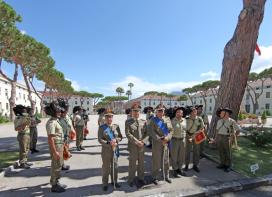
161 45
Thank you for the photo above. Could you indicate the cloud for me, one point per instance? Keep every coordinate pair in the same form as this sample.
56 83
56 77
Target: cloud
263 61
74 84
23 32
210 75
141 86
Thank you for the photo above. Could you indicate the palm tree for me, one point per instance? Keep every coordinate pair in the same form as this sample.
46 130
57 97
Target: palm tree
119 92
130 85
128 93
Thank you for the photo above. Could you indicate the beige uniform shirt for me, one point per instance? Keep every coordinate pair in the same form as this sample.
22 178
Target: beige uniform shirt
78 120
179 127
226 127
194 125
54 128
157 133
20 121
135 130
103 137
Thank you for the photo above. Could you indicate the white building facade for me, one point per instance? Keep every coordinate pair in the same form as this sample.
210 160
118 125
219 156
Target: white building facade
264 101
74 100
21 96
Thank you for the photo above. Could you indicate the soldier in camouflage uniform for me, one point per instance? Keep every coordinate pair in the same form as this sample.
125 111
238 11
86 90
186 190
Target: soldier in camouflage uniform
136 132
109 136
194 123
78 122
225 129
161 136
33 130
178 142
21 124
67 126
55 141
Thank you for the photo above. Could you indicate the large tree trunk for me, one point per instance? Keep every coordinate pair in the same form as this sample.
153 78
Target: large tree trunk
32 103
238 57
13 93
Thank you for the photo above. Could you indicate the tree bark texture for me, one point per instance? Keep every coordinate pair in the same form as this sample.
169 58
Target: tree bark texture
238 57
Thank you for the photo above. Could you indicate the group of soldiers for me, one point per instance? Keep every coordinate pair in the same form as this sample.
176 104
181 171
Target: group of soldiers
174 135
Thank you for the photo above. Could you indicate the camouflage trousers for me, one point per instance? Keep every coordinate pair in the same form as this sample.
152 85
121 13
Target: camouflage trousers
24 140
79 135
224 148
33 137
191 145
177 153
56 165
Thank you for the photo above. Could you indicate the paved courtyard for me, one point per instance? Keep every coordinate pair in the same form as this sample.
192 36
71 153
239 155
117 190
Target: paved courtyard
84 178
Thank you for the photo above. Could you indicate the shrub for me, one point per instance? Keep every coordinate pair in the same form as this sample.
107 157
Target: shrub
241 116
3 119
263 117
268 113
260 138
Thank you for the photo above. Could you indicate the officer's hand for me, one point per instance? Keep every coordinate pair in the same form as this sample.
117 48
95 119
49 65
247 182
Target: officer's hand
56 156
140 144
164 141
113 143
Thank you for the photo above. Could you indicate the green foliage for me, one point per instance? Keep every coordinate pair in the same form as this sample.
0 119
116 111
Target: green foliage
3 119
260 138
247 155
241 116
7 159
263 117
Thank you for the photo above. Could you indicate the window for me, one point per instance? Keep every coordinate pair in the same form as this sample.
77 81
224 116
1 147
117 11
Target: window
257 88
210 100
7 106
76 102
247 97
88 109
19 95
268 86
88 102
200 101
6 92
154 103
176 103
144 103
194 102
210 108
267 95
267 106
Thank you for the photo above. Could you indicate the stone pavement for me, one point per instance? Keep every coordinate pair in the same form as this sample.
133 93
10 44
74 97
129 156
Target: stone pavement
84 178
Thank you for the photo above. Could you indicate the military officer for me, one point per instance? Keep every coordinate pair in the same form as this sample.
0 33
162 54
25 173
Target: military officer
136 132
205 119
178 142
109 136
225 129
78 122
21 124
55 141
33 130
194 124
161 130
